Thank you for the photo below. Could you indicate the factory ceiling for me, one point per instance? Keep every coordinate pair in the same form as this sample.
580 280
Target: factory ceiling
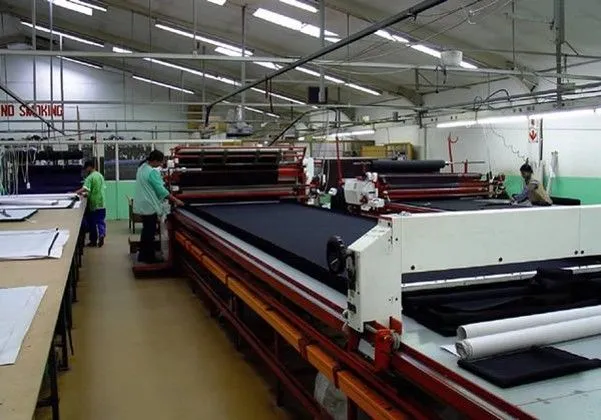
501 35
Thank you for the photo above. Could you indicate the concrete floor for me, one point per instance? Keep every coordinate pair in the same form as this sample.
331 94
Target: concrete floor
146 349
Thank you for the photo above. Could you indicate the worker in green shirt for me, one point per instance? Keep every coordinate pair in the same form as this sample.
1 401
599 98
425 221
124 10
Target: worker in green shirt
149 195
94 188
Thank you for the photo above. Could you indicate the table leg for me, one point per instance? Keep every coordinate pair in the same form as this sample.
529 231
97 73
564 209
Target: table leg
53 399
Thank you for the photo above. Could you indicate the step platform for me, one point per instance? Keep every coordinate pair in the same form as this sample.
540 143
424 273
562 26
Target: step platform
141 270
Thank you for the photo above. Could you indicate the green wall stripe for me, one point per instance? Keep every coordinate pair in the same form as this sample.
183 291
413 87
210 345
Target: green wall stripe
116 199
588 190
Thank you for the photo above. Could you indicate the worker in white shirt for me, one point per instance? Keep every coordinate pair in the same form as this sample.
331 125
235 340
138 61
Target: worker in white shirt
534 192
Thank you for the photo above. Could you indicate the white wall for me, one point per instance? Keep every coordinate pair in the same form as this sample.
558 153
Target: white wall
393 132
83 83
577 141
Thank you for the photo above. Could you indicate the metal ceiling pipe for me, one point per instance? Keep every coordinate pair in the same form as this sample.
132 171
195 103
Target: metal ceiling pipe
411 12
281 60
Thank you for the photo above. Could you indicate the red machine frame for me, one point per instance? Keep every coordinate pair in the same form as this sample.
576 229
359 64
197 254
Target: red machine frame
293 311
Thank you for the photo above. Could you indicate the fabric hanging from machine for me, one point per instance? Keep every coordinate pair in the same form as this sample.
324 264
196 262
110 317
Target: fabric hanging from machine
445 310
293 233
506 342
528 366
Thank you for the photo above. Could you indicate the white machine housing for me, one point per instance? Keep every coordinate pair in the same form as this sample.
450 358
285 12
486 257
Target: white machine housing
363 192
412 243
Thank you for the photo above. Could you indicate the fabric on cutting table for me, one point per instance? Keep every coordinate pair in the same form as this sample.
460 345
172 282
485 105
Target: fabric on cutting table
534 266
528 366
490 345
444 310
293 233
512 324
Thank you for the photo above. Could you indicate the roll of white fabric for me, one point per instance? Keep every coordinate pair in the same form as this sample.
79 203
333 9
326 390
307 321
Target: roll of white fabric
511 324
489 345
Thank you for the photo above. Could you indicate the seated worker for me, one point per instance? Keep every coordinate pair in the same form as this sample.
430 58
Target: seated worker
150 192
94 187
534 191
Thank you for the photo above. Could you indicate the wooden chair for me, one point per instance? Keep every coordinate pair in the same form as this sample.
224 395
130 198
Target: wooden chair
133 217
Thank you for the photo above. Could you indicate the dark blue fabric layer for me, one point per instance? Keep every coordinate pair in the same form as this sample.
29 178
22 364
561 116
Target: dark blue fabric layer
293 233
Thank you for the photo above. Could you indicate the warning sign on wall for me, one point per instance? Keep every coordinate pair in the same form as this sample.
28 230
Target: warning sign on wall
534 131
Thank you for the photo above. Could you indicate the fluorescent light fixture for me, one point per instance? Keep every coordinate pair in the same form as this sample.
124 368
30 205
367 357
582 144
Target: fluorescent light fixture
276 95
426 50
294 24
201 38
362 89
258 111
400 39
390 37
90 5
83 63
278 19
339 81
268 65
352 134
453 124
300 5
66 4
219 2
232 53
466 65
194 72
64 35
557 115
121 50
165 85
228 52
384 34
503 120
346 134
316 74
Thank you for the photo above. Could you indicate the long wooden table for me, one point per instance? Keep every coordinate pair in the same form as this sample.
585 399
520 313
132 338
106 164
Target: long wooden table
20 383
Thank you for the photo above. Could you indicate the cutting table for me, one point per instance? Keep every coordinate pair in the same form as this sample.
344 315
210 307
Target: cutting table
309 275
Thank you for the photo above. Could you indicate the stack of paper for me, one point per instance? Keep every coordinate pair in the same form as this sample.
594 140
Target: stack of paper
32 244
18 307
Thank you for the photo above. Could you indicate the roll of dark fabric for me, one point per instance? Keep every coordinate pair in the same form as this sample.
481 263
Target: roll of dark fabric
407 166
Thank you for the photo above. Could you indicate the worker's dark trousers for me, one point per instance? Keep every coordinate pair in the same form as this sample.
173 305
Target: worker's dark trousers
149 230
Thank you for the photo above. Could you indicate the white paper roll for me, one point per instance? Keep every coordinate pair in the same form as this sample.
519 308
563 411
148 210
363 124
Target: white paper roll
488 345
511 324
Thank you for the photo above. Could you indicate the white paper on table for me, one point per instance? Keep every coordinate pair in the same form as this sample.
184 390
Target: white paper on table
77 204
32 244
18 307
511 324
451 349
15 215
24 204
57 196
